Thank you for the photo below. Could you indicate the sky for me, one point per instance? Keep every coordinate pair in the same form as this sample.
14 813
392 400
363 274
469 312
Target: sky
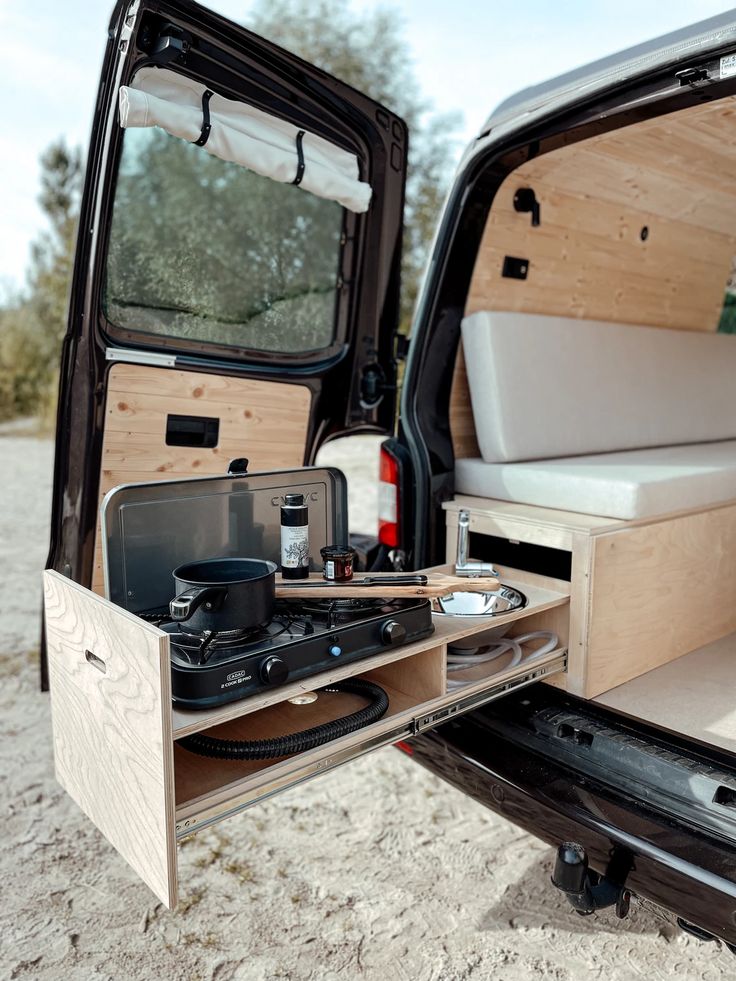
468 55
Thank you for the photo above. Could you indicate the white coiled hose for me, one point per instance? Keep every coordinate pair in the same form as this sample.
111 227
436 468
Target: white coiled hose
481 655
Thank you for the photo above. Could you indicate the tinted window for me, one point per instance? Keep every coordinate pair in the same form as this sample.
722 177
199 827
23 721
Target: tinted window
205 250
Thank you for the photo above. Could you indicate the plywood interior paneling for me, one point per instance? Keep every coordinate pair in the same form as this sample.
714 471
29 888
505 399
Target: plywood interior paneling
407 682
462 424
658 591
261 420
692 696
674 176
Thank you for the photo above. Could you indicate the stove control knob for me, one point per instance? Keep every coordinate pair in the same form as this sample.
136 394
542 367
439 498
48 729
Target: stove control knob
274 671
393 633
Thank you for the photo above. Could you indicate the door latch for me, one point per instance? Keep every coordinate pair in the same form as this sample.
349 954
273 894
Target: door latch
372 386
689 75
171 44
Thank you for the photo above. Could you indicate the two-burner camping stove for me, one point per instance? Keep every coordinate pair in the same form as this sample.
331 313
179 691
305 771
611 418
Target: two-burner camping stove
150 529
302 639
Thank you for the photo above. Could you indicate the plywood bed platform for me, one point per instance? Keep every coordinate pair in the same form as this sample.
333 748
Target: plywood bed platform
694 695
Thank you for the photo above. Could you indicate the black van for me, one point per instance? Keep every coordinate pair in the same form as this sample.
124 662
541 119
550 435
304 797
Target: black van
566 420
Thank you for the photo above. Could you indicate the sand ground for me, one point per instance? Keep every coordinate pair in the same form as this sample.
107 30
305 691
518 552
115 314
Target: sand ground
376 871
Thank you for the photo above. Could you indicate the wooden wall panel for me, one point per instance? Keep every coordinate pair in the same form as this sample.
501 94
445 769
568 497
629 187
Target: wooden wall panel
263 421
610 274
462 425
675 175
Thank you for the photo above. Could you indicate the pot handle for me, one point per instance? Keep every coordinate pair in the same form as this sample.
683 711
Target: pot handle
188 602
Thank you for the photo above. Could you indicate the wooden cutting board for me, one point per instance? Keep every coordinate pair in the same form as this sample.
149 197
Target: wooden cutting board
437 584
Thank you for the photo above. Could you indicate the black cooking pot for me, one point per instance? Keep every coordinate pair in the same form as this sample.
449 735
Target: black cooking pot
224 594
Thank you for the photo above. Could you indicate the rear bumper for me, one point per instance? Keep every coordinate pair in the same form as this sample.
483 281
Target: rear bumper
686 872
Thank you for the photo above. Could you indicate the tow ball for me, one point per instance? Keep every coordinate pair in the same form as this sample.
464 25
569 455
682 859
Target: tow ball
587 891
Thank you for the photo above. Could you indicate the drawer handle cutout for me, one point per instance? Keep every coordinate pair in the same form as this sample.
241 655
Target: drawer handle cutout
202 432
95 661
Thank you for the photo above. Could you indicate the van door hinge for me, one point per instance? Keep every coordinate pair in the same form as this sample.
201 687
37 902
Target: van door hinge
402 347
172 44
127 28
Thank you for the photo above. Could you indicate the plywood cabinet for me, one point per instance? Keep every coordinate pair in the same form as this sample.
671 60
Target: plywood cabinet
116 733
642 593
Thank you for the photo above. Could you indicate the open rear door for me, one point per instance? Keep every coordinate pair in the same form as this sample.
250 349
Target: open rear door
218 310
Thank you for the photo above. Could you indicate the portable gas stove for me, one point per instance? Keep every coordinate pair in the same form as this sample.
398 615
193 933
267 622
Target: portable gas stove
150 529
304 638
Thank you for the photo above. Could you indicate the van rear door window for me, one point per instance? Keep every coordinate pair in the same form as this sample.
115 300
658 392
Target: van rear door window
204 250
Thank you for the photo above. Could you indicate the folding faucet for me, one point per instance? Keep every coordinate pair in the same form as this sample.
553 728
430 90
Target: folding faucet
463 565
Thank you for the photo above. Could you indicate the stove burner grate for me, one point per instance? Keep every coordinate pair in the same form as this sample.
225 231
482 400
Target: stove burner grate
350 605
301 640
199 646
226 635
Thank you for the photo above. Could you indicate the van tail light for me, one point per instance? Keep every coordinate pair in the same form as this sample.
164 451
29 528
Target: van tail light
389 509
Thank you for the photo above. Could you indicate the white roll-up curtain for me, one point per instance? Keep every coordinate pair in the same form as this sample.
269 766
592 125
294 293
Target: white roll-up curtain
244 135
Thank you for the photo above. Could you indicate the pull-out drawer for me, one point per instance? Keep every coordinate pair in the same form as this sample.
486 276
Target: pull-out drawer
116 732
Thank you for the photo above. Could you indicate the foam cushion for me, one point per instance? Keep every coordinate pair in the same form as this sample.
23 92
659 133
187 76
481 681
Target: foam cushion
545 387
633 484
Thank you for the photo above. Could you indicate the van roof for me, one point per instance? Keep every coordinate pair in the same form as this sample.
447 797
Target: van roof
715 32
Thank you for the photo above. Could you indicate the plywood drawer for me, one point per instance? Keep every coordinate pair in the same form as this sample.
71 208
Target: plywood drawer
116 732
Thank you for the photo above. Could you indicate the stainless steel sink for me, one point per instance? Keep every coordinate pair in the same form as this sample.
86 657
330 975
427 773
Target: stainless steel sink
505 599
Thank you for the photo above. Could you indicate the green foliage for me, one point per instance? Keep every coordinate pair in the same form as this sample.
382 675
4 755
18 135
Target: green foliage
368 51
32 324
205 249
727 323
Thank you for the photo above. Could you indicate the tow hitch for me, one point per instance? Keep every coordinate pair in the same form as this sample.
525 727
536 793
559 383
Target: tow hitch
587 891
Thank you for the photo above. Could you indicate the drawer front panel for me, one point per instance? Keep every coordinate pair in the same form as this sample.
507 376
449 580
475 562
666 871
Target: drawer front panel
110 702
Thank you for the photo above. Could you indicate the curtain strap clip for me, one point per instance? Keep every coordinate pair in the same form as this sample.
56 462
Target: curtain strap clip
300 158
206 124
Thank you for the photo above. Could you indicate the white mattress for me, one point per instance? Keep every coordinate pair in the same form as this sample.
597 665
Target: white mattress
545 387
632 484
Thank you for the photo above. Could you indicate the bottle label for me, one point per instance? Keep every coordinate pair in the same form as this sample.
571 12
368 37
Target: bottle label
329 570
295 547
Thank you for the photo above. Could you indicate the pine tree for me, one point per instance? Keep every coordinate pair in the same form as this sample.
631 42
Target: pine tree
365 49
368 50
32 324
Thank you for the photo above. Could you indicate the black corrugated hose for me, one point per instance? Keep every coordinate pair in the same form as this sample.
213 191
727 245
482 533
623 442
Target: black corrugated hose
296 742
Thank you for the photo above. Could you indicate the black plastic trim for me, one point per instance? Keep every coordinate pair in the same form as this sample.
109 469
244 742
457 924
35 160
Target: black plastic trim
685 871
